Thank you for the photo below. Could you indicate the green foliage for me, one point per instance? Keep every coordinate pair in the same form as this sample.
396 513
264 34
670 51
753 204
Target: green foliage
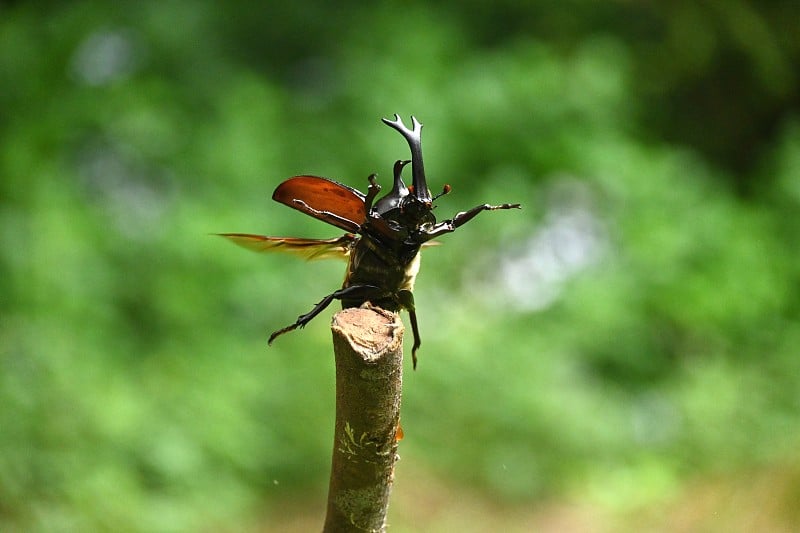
633 327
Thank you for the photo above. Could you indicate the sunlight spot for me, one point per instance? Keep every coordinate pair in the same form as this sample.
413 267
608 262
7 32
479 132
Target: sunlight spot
571 239
105 56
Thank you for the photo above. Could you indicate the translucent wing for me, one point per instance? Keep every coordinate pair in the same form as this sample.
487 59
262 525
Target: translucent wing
338 248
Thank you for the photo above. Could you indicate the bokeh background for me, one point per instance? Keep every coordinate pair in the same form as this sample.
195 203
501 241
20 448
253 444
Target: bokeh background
620 355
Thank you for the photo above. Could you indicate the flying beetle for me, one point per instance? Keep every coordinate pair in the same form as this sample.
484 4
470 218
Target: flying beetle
383 236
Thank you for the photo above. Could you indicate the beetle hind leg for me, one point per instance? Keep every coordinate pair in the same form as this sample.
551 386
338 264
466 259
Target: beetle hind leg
302 320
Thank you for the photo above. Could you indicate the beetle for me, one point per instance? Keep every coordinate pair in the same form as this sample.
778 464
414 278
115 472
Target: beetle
383 236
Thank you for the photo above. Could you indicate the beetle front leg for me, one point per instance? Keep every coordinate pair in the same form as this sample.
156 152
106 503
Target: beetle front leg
465 216
447 226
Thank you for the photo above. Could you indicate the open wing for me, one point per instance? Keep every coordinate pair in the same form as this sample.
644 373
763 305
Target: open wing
338 248
324 199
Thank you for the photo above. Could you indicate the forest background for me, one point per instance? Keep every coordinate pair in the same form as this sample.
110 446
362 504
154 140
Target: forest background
620 355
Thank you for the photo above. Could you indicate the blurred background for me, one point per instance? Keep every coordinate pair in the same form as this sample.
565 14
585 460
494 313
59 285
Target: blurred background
620 355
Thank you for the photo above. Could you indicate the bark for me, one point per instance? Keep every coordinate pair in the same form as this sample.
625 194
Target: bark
368 346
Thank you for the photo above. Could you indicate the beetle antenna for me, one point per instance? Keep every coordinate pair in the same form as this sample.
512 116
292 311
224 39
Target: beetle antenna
445 190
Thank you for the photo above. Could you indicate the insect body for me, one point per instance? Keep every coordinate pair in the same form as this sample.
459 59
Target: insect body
383 238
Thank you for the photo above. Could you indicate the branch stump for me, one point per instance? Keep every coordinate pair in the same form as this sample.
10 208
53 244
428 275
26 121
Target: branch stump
368 347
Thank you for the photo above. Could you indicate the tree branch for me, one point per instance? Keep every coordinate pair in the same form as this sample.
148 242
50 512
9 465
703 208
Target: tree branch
368 346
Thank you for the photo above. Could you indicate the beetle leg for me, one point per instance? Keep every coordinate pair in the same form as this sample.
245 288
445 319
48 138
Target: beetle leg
372 191
302 320
447 226
407 300
412 315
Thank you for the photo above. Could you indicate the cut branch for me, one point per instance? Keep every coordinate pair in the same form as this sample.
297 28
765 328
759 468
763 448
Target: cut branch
368 346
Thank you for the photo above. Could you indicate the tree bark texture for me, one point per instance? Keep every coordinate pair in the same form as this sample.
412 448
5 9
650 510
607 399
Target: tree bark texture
368 346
